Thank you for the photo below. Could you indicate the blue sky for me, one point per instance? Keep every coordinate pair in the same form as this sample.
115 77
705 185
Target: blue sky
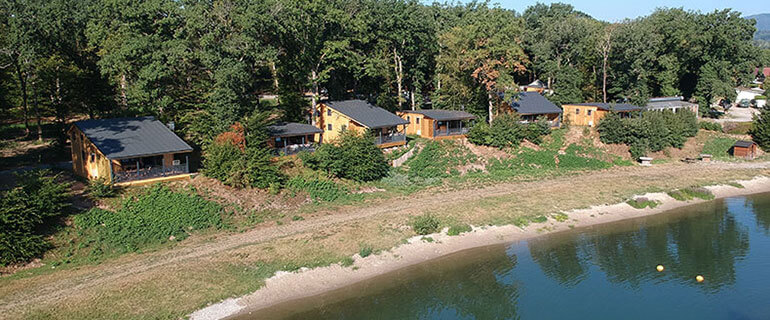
620 9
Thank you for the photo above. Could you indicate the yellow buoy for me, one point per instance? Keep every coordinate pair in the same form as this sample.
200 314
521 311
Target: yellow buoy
699 278
660 268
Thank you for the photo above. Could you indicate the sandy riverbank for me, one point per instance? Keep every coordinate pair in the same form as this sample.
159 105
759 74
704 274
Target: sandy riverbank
286 286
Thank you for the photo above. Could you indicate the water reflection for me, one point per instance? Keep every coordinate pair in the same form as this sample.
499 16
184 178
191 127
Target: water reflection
461 289
706 241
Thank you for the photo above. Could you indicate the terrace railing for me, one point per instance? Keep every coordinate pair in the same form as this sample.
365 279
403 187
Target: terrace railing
294 149
450 132
152 172
396 137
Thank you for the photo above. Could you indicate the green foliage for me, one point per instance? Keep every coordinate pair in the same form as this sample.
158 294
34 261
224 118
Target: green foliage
24 211
652 132
101 188
457 229
641 203
718 147
691 193
507 131
560 217
354 156
242 166
156 216
317 189
711 126
425 224
760 131
437 159
539 219
365 251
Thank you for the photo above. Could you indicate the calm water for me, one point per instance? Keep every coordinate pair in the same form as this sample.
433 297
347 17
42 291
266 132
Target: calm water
605 272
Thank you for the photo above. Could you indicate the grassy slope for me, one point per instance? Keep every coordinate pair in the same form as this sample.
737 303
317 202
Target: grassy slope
173 290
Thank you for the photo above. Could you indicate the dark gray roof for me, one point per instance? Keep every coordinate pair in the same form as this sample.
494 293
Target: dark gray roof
533 103
366 114
443 115
610 106
131 137
743 143
668 102
536 84
287 129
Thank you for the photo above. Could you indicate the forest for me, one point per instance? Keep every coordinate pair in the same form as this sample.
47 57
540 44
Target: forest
207 64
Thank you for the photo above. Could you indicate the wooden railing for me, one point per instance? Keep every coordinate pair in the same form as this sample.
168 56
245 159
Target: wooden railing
152 172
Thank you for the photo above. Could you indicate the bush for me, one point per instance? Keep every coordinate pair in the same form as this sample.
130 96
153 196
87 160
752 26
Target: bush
101 188
459 229
354 156
652 132
711 126
425 224
691 193
39 196
507 131
641 203
760 131
232 161
157 216
317 189
365 251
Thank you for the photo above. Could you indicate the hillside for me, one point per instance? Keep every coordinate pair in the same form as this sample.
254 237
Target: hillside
763 26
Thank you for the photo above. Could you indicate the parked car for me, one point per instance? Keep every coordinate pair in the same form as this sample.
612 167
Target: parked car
744 103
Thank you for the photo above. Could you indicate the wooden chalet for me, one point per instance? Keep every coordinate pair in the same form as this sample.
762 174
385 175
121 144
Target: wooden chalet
333 117
126 150
437 124
288 138
589 114
532 106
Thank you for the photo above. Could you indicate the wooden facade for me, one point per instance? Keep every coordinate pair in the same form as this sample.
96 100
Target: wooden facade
333 123
745 149
87 160
589 115
424 126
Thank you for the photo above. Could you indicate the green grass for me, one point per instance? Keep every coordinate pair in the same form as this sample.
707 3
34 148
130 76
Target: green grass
365 251
641 203
718 147
458 229
691 193
425 224
560 217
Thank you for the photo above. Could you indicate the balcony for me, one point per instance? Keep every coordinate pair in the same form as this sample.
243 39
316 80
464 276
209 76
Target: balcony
293 149
450 132
150 172
390 138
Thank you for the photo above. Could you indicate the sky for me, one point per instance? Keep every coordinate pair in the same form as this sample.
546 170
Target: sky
616 10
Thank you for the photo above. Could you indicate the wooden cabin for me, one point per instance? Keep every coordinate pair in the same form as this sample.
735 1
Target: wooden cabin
289 138
437 124
126 150
532 106
589 114
744 149
333 117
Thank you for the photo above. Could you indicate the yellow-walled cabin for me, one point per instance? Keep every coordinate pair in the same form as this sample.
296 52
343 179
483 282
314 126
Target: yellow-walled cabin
334 117
289 138
589 114
437 124
127 150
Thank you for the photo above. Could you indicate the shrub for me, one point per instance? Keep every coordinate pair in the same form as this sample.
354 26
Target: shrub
760 131
101 188
425 224
711 126
641 203
691 193
653 131
354 156
459 229
539 219
365 251
229 160
507 131
153 217
317 189
38 196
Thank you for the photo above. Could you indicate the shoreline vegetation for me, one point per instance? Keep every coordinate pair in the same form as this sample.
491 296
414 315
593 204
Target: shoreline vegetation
285 287
175 279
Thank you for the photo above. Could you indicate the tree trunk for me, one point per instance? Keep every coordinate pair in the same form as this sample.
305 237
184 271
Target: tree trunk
37 115
275 76
414 107
399 75
24 96
123 89
604 79
491 115
313 102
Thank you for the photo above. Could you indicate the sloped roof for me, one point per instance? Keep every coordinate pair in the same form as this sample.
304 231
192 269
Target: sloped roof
443 115
668 102
536 84
533 103
365 113
121 138
610 106
288 129
744 144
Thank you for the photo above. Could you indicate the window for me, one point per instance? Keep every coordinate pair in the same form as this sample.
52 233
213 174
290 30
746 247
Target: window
329 127
589 112
577 110
408 119
328 112
93 156
418 120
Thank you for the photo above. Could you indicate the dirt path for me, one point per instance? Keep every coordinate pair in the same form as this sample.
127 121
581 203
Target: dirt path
61 288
